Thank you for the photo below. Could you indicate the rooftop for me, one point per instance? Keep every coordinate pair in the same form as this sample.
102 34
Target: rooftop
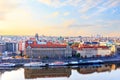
35 44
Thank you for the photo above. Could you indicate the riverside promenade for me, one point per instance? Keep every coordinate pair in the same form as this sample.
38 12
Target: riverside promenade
112 59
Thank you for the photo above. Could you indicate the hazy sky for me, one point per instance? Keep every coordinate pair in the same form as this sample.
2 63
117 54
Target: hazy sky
60 17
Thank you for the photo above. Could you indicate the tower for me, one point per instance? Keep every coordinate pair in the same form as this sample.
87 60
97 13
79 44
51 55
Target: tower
37 37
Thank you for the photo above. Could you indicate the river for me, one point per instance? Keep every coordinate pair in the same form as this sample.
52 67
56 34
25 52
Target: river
86 72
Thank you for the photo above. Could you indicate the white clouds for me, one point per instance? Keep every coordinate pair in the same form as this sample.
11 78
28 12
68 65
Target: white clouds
7 6
55 14
66 13
59 3
67 23
58 16
84 17
100 7
89 4
106 6
54 3
84 6
19 19
52 15
47 2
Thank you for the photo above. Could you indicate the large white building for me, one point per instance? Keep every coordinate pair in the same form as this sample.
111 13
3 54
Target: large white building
93 49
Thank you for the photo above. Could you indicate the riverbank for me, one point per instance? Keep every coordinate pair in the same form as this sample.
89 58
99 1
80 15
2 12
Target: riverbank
69 61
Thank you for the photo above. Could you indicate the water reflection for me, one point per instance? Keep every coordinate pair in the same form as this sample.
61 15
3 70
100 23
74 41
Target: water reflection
96 68
7 70
31 73
83 72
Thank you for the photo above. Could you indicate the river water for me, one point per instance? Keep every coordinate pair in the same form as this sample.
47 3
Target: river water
86 72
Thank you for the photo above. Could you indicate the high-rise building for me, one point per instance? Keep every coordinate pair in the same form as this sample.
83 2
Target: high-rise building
2 48
21 46
11 46
118 49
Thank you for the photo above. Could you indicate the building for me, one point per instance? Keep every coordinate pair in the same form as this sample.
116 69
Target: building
118 49
11 47
21 45
37 49
93 49
2 48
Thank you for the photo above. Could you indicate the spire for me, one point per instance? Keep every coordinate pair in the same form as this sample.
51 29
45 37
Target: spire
37 37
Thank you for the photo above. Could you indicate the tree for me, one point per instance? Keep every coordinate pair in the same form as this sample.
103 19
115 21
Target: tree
21 53
78 55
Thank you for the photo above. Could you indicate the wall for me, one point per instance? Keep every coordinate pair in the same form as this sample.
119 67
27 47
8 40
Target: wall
49 52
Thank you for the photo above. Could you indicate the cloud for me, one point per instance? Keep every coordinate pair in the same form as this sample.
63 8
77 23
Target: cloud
53 3
7 6
60 3
84 17
66 13
59 21
98 24
79 26
67 23
47 2
52 15
55 14
89 4
20 19
100 7
84 6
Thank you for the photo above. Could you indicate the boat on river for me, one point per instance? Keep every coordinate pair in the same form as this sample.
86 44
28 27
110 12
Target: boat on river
58 63
7 65
91 62
34 64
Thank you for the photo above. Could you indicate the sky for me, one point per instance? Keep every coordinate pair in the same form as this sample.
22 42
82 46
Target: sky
60 17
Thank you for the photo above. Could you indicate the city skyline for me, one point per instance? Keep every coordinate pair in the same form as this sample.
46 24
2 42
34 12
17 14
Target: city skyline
59 17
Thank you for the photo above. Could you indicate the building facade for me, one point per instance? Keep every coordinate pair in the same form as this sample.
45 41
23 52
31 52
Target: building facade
21 46
2 48
93 51
118 49
11 46
37 49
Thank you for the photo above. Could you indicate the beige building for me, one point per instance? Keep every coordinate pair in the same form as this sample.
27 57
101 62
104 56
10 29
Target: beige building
94 51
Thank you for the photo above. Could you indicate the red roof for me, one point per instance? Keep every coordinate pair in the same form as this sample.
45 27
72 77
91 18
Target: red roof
92 47
33 39
47 45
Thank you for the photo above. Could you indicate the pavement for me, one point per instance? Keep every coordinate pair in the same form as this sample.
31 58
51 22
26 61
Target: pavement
105 59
